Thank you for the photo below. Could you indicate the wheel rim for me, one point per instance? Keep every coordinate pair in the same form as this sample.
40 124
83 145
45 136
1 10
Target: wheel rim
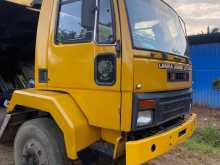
34 154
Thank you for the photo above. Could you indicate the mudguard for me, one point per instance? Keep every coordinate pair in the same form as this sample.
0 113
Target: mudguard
78 134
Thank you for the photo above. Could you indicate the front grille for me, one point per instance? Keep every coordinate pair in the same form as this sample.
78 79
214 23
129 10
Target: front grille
174 76
172 107
169 106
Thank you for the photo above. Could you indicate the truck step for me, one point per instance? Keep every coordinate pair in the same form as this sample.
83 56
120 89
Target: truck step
103 148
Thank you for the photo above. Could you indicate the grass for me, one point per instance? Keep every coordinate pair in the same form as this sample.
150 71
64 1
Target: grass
205 140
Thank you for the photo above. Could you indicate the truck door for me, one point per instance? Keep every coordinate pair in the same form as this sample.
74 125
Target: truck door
84 58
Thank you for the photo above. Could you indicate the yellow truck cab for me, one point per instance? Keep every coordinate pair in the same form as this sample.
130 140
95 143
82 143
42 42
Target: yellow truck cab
110 75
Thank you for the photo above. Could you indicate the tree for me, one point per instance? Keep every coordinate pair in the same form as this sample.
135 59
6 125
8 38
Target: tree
215 30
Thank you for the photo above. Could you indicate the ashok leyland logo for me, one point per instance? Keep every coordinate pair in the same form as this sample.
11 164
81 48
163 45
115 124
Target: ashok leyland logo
174 67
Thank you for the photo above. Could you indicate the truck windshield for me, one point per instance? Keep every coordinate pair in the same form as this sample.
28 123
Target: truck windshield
155 26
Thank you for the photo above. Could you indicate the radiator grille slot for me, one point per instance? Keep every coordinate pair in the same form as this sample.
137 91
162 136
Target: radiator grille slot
178 75
172 107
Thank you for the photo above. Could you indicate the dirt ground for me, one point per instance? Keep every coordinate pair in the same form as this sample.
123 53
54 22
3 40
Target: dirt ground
6 155
179 156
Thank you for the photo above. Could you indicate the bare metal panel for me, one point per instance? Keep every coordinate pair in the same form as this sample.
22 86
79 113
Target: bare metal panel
28 3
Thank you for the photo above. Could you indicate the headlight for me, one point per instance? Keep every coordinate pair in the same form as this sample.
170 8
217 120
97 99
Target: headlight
145 112
144 118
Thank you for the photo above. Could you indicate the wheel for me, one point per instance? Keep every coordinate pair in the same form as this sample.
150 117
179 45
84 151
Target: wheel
40 142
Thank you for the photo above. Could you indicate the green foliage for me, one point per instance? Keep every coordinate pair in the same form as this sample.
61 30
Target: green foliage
216 84
209 135
205 140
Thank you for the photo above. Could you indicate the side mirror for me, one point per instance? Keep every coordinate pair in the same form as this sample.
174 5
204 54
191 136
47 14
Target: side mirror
88 13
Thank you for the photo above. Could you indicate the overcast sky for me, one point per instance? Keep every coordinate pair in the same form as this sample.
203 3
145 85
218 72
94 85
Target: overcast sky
198 14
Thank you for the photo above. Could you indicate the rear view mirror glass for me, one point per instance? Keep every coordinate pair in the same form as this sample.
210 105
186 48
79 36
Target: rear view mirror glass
88 12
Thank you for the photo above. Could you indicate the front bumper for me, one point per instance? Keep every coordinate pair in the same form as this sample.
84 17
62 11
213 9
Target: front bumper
141 151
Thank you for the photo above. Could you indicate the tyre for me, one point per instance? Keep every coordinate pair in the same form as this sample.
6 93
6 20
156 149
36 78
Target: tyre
40 142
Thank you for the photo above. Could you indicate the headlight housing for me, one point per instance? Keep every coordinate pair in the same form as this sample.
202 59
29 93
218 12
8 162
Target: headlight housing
145 112
144 118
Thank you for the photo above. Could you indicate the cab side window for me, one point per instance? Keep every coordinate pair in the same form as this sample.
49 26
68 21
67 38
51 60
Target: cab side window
76 21
105 27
